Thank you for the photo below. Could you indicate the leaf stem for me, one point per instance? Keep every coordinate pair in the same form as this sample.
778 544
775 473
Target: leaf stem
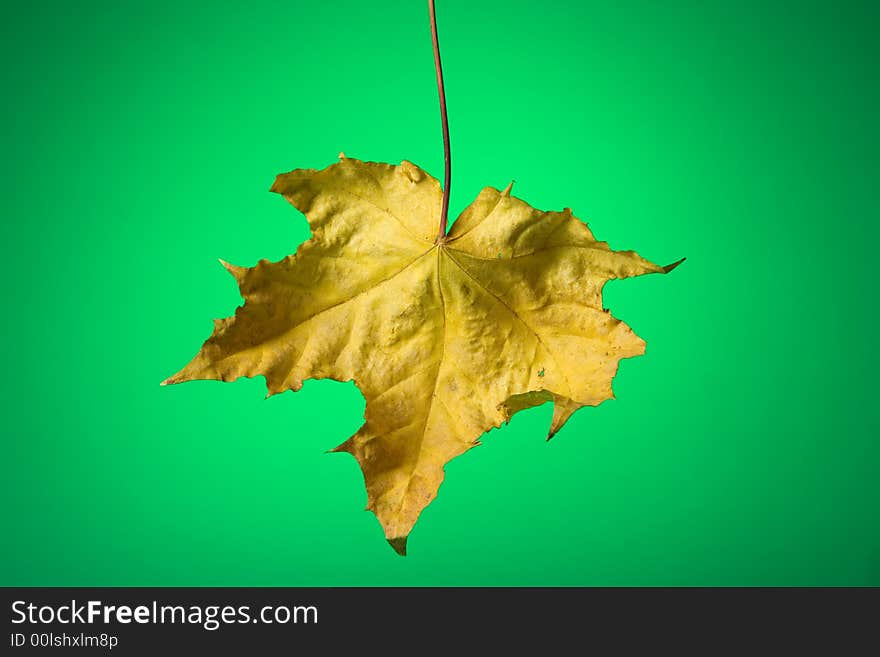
447 157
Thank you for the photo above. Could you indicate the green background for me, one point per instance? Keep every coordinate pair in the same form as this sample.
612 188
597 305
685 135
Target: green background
139 140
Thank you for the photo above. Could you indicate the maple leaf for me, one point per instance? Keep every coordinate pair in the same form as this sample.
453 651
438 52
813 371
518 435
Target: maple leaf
445 338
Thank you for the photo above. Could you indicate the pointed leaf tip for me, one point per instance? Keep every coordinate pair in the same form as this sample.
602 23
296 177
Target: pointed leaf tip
236 271
399 545
669 268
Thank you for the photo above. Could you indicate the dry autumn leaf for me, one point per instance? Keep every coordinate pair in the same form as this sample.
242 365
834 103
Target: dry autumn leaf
446 338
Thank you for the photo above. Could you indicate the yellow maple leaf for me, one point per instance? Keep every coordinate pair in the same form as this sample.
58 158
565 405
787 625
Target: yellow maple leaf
446 338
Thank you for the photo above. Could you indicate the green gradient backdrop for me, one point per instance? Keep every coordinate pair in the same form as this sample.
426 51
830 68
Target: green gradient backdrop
139 141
